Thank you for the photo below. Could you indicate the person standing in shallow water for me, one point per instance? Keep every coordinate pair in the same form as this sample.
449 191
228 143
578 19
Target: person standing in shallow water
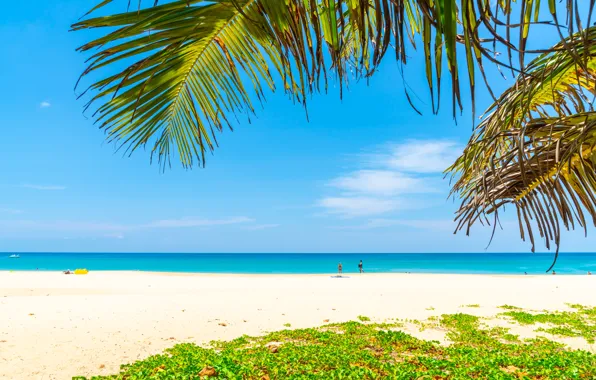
360 267
339 268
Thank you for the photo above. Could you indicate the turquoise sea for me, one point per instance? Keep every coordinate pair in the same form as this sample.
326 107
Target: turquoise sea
497 263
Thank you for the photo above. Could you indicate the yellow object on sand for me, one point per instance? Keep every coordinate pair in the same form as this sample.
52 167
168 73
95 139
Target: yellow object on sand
81 271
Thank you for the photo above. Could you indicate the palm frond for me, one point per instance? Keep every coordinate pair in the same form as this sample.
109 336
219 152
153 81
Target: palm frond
193 69
193 65
535 149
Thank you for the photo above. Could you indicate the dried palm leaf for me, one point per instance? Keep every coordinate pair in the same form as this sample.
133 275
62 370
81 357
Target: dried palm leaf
535 149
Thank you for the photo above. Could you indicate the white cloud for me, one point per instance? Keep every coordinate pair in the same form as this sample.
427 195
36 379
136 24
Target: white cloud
193 222
44 104
358 206
61 225
435 225
258 227
369 225
431 224
381 182
393 176
44 187
114 236
422 156
114 230
10 211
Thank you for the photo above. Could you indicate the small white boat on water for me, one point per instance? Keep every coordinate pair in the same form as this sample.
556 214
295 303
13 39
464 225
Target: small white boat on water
14 257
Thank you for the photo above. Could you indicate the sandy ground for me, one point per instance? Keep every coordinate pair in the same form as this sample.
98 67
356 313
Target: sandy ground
54 326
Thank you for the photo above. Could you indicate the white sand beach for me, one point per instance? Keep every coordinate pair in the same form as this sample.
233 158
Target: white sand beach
55 326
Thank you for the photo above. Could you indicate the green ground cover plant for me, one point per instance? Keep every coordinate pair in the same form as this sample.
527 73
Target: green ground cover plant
354 350
509 307
581 322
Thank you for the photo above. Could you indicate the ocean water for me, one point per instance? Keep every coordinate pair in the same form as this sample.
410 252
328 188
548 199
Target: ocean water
496 263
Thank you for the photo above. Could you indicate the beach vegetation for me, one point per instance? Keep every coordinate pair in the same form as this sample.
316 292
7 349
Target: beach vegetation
509 307
370 351
287 325
580 322
363 318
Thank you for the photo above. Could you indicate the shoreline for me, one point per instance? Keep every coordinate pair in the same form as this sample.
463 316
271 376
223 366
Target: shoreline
308 263
71 325
344 274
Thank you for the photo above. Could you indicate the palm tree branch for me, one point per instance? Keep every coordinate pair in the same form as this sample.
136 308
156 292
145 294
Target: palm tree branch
208 49
177 64
559 156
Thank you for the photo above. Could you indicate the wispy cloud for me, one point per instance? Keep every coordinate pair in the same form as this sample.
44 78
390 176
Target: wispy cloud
62 225
369 225
431 224
194 222
421 156
114 236
258 227
348 206
10 211
43 187
395 174
114 230
44 104
380 182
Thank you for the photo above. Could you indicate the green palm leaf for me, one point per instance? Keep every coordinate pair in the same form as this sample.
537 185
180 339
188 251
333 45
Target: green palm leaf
193 65
185 80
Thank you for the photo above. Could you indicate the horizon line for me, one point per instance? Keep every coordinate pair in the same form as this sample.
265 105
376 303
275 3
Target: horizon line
297 253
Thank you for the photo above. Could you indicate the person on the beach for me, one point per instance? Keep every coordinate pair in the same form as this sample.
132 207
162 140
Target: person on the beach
589 273
360 267
526 273
554 273
339 268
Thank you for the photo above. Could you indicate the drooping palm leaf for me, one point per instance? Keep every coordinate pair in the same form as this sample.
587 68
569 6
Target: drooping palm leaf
195 64
186 80
535 148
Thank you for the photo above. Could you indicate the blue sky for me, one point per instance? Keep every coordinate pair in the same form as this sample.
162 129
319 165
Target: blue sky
364 175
